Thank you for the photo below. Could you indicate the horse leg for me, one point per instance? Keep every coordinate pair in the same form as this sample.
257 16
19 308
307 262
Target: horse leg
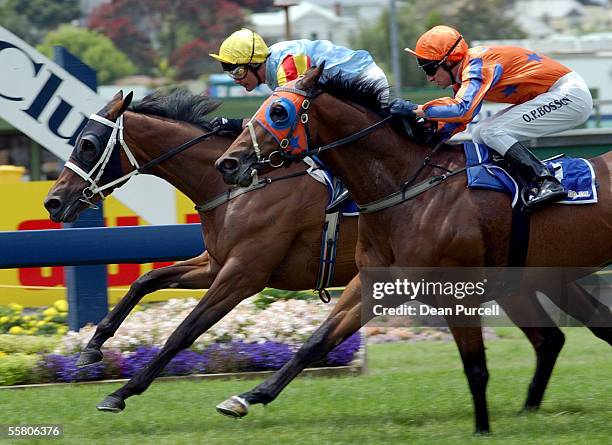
194 273
546 341
343 321
581 305
471 348
229 288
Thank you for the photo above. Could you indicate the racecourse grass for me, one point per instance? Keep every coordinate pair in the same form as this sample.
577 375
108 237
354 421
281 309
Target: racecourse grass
412 394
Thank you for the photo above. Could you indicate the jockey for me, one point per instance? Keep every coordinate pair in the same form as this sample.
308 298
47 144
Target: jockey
247 59
547 97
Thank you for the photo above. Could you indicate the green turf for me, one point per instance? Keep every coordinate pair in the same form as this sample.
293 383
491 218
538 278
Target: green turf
413 393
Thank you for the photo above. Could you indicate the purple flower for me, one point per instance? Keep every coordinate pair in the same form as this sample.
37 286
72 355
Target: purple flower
137 360
186 362
219 357
62 368
268 355
343 354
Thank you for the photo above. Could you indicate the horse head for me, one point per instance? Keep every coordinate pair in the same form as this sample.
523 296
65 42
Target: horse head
306 117
276 135
147 139
94 162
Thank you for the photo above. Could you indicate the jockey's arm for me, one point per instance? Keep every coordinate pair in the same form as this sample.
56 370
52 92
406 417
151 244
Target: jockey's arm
462 108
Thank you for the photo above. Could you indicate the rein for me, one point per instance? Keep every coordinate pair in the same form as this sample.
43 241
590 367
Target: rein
234 193
117 137
405 193
355 136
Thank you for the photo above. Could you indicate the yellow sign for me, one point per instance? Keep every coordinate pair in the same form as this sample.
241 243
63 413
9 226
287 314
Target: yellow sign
41 286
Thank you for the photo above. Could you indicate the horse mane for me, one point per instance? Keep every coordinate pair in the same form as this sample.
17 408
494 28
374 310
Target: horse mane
367 93
361 92
178 104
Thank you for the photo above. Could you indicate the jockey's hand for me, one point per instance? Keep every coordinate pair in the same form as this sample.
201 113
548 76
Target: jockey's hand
227 127
401 107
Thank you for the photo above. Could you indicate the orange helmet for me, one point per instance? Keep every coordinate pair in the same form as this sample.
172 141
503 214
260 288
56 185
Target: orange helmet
440 43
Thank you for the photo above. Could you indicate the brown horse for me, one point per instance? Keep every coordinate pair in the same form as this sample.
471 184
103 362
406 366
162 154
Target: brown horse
234 238
448 225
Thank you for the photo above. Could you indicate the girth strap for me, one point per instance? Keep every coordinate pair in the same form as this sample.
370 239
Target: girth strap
234 193
228 195
406 194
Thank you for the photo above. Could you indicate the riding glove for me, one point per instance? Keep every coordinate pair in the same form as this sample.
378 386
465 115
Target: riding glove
227 127
401 107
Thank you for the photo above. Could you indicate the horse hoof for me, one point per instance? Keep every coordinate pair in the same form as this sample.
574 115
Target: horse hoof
482 432
235 407
89 356
526 410
112 404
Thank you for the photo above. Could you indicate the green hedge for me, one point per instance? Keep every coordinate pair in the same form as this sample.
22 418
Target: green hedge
17 369
27 344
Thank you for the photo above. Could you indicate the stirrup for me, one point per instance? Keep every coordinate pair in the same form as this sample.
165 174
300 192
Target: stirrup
337 203
551 196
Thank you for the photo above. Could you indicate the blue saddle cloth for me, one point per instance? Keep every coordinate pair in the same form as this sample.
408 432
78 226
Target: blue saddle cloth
576 175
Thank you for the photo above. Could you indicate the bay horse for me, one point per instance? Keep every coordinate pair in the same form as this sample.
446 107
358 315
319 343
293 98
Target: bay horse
236 232
448 225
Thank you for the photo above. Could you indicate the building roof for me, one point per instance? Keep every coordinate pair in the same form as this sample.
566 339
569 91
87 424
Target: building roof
296 13
546 8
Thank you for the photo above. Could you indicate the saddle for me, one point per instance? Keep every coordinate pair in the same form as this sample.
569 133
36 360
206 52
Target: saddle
487 170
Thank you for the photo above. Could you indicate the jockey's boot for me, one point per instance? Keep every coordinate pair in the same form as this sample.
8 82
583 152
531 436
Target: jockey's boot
545 187
338 202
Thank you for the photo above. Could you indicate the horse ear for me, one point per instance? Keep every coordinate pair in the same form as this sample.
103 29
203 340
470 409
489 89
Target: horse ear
119 104
311 77
118 96
126 102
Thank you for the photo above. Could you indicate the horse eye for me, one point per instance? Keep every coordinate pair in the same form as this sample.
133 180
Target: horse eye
278 114
88 150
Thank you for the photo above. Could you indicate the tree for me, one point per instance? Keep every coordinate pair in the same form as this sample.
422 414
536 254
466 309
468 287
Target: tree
475 19
376 40
180 31
32 19
256 5
93 48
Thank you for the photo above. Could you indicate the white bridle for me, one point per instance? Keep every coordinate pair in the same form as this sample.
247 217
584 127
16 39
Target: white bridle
96 172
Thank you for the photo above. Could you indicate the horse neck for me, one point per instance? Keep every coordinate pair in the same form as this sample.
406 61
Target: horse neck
191 171
373 166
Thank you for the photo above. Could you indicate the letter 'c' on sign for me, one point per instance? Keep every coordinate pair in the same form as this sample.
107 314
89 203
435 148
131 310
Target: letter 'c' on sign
37 66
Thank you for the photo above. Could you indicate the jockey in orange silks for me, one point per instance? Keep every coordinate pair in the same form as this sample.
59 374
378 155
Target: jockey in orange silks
546 97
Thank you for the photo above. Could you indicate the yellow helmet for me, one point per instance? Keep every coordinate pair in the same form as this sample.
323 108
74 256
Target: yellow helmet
242 48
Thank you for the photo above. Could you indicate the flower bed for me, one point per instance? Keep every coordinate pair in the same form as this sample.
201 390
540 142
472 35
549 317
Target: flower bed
248 339
52 320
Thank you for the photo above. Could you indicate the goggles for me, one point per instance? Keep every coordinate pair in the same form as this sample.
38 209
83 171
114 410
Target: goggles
429 66
239 72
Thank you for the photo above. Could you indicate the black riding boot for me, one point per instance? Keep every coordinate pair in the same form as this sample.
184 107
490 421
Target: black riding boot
545 187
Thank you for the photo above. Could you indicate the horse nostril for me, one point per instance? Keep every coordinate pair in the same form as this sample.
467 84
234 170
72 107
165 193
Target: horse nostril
52 204
227 165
